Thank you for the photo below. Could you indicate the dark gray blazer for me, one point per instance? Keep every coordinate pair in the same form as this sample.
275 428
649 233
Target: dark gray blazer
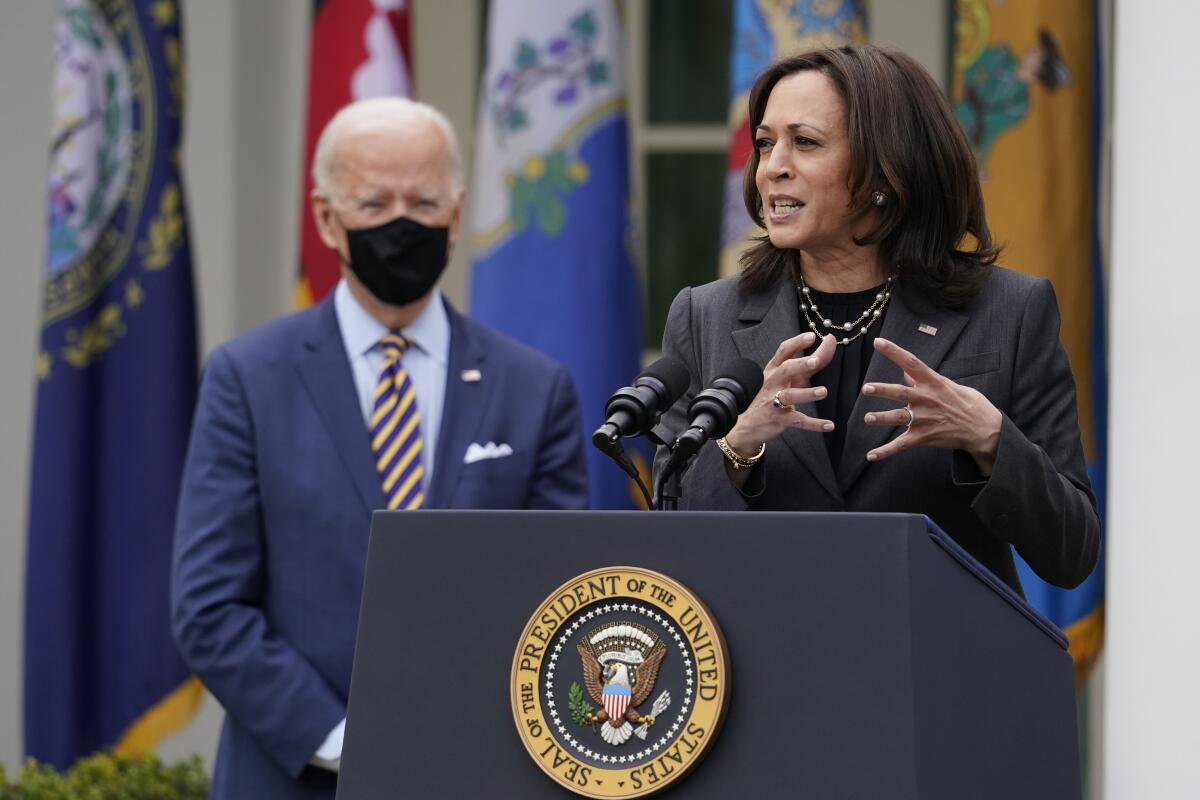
1004 343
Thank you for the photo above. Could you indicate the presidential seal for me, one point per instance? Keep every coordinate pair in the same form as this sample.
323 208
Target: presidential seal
619 683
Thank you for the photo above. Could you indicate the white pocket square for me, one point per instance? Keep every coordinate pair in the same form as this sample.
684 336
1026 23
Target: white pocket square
476 452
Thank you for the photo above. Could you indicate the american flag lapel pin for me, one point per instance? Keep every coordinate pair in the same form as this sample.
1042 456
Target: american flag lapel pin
926 328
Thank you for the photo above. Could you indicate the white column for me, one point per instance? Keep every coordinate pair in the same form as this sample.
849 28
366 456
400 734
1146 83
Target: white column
26 69
446 67
1152 688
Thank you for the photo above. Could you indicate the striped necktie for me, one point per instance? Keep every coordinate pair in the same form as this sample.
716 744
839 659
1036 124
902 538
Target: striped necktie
396 429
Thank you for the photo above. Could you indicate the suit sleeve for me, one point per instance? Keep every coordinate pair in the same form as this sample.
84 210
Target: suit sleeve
267 687
1038 497
705 485
560 474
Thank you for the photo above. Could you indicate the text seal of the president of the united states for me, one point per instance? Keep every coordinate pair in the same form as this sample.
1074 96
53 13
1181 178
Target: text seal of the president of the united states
619 683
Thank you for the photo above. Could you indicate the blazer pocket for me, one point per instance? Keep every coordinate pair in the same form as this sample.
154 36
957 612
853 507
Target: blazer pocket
967 366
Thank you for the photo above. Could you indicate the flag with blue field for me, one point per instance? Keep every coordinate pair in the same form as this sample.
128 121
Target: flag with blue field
116 384
550 220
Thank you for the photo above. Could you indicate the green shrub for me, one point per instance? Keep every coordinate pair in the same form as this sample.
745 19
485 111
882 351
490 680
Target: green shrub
107 777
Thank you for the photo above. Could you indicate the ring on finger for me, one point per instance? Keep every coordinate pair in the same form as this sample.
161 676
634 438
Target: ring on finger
775 401
911 416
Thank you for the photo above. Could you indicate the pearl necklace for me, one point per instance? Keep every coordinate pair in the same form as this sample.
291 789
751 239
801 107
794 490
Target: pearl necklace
873 313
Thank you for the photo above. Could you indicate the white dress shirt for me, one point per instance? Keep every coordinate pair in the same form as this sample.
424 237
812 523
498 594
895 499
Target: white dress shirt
426 362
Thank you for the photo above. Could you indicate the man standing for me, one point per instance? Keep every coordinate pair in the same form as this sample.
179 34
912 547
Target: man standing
382 396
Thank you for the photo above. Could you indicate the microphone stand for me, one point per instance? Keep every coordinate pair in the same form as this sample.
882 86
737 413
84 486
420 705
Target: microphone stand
668 489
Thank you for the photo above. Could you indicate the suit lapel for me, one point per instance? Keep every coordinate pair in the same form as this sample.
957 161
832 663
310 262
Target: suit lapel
462 411
907 314
326 374
774 317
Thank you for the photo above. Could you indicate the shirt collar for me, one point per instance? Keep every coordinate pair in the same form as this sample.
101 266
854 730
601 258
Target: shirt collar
429 332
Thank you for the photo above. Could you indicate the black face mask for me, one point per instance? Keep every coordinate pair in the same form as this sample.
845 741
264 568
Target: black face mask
399 261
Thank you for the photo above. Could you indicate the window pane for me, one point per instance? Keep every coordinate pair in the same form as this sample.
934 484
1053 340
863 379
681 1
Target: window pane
683 228
688 61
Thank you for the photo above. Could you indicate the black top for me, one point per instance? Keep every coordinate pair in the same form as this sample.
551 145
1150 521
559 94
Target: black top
844 375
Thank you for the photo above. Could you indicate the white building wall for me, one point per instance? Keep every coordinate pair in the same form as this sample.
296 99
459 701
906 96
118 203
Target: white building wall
1152 695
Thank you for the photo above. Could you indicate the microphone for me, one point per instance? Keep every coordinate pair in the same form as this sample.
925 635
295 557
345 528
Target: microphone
633 410
715 410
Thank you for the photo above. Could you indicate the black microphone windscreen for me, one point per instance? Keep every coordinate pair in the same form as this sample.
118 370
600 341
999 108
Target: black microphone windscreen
674 375
747 374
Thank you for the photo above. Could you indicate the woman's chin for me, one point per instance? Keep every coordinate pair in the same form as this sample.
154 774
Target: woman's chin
785 239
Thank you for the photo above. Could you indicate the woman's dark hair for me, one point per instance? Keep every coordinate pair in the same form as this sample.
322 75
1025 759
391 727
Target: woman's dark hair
905 142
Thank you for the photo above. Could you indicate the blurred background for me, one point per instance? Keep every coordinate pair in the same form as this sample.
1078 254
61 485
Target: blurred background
1047 147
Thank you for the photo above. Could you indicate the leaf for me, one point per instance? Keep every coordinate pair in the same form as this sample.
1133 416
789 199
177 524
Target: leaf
520 202
112 109
95 203
584 25
516 119
579 709
527 55
103 776
551 214
107 168
62 240
556 171
79 20
597 72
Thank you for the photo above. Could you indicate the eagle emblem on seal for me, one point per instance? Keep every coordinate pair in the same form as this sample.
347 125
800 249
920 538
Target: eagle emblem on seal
620 665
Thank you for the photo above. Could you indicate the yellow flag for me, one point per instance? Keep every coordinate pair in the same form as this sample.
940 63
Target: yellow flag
1022 89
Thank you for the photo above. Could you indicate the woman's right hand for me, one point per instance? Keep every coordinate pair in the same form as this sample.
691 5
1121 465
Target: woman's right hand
788 378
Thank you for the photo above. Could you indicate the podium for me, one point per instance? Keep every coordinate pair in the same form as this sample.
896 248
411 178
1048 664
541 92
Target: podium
870 656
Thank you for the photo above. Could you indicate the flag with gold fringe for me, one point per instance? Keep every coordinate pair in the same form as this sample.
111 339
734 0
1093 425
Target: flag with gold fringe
765 31
1025 87
116 370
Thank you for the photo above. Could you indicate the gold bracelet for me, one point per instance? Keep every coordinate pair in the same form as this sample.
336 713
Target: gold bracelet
740 462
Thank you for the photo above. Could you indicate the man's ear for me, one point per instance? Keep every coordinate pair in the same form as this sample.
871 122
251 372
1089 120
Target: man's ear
456 220
323 216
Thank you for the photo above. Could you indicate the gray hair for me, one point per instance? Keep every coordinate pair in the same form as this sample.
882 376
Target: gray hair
375 113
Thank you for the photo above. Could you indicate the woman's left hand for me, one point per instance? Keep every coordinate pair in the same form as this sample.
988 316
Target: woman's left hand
938 412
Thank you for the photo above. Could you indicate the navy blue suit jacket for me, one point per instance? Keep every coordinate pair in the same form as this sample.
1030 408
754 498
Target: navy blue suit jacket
278 490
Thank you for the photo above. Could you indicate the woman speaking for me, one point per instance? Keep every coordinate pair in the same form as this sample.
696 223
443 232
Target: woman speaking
902 371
